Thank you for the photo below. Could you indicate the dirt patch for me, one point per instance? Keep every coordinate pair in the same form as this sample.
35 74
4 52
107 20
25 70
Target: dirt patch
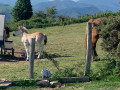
19 55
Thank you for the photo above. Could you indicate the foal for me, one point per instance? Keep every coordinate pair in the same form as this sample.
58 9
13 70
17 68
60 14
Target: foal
25 38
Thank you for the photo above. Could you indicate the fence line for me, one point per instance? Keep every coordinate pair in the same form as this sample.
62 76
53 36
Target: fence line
31 58
89 48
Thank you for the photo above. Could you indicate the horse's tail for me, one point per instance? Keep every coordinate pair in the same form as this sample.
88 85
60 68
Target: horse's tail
45 39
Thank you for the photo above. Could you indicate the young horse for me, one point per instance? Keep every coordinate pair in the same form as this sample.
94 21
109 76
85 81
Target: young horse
95 35
25 38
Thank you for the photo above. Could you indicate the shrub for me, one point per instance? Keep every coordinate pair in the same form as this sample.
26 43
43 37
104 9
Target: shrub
65 72
118 50
110 28
109 69
70 71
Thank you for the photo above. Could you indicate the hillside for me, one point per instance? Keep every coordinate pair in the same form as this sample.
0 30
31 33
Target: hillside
77 11
6 9
112 5
81 7
68 7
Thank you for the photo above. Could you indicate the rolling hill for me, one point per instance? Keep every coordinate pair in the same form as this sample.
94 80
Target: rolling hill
103 5
81 7
6 9
66 7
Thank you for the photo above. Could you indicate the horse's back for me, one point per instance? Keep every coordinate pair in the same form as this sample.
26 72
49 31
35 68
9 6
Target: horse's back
37 35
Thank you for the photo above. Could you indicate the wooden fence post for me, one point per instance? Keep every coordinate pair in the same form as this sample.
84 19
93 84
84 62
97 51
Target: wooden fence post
89 49
31 58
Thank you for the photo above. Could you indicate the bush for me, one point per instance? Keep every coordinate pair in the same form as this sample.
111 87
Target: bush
109 70
65 72
70 71
110 28
118 50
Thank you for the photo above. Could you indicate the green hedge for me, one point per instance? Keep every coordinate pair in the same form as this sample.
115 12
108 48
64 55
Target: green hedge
110 29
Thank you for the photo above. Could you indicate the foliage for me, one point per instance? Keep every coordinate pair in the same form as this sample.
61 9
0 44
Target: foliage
48 18
65 72
51 12
110 29
109 69
40 14
22 10
69 71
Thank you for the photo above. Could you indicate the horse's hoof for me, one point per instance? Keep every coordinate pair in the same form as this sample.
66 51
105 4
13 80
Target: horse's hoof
41 57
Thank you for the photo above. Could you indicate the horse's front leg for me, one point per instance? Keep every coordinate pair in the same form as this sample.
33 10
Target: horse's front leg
27 51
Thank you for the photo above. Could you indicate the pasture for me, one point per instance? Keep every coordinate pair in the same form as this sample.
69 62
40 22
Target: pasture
66 44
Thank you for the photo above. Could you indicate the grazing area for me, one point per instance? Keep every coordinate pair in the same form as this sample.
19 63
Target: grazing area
66 45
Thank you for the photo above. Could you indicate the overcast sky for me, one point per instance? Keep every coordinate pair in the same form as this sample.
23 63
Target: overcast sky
12 2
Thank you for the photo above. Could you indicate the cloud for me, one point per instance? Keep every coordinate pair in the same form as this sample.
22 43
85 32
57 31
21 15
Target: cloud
75 0
63 0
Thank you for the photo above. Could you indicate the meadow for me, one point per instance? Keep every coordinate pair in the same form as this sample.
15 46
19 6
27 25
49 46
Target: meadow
66 45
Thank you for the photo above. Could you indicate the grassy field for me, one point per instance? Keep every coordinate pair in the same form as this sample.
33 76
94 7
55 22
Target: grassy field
66 45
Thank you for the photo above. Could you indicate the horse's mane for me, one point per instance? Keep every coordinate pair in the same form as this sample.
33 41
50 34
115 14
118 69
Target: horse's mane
24 29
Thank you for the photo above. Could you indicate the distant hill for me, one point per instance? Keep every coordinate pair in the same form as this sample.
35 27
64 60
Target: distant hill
6 9
81 7
68 7
103 5
77 11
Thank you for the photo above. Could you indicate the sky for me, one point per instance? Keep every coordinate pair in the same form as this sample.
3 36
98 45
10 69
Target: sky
12 2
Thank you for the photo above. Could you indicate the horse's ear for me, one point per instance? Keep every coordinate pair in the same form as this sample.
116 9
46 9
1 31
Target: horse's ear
19 27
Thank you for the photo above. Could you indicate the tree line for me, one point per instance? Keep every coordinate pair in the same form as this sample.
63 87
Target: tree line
22 14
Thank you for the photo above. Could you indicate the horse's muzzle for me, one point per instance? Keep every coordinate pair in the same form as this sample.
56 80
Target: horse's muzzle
14 34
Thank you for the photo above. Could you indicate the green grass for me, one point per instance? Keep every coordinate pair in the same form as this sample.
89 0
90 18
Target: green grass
66 45
96 85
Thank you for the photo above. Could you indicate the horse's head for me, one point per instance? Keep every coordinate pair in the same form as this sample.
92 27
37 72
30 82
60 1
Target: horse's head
20 30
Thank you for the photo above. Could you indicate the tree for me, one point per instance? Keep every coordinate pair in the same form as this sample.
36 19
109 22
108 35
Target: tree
51 12
40 14
22 10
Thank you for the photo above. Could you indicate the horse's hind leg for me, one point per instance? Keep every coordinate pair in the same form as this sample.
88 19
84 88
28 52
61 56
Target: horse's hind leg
94 54
40 49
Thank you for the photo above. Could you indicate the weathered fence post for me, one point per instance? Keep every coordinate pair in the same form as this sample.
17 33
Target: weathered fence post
31 57
89 49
